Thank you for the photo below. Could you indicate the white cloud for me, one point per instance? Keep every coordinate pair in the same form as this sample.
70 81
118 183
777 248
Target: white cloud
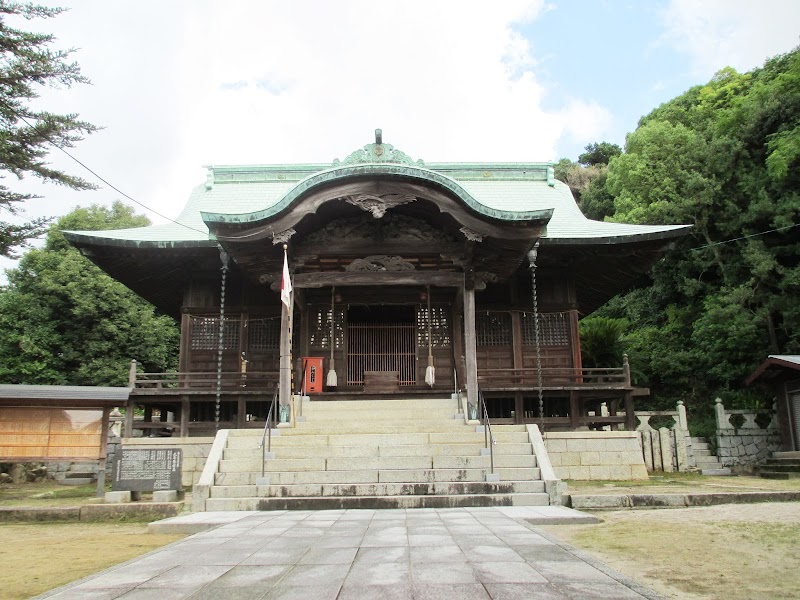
182 84
736 33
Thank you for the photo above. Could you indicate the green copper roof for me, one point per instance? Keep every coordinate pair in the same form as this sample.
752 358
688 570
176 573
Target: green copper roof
368 170
502 191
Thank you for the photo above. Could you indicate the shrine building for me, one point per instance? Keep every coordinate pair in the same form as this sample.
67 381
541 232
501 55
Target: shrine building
479 270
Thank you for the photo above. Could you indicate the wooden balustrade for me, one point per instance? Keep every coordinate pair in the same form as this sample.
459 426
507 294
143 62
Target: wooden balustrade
205 381
511 378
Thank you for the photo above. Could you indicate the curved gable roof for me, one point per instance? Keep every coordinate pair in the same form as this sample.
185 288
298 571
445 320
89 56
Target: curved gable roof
509 192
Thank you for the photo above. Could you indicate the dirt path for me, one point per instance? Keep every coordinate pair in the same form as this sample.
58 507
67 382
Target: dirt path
731 552
39 557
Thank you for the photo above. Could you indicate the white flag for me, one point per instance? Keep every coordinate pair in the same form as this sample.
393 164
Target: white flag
286 284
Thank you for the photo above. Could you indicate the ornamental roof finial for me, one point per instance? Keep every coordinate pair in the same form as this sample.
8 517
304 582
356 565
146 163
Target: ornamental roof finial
379 153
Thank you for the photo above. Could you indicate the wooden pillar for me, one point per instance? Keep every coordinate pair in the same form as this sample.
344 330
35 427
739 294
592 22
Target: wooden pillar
630 417
101 463
470 348
574 409
575 341
185 349
129 408
241 409
185 410
612 410
458 341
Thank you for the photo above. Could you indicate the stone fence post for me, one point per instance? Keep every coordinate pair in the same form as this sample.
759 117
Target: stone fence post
664 449
132 374
683 422
723 419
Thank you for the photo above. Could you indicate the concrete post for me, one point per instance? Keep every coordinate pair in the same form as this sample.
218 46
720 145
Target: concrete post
132 374
665 442
723 420
683 422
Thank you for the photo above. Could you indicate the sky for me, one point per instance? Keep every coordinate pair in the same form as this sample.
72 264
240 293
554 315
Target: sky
180 84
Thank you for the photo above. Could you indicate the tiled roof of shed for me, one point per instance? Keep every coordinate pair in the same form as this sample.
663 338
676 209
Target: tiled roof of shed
64 392
789 358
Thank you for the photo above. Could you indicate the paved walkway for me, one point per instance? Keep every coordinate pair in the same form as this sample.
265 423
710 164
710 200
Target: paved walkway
422 554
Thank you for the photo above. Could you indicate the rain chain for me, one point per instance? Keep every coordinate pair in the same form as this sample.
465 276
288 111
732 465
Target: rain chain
221 342
532 258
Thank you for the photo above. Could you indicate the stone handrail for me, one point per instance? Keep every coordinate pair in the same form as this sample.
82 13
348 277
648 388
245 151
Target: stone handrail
678 415
724 415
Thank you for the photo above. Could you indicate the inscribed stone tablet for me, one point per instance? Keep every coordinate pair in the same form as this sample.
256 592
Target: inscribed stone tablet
147 470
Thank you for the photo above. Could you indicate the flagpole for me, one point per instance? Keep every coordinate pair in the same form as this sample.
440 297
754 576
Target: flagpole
285 373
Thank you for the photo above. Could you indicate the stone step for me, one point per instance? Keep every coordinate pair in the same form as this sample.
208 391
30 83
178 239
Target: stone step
348 427
778 474
500 436
787 462
780 468
787 454
703 452
707 459
375 451
386 403
76 480
375 463
292 437
376 502
720 471
365 414
377 489
375 476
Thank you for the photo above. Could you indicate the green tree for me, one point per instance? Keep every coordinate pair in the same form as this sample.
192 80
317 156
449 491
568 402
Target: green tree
724 157
599 154
27 64
602 341
63 321
587 179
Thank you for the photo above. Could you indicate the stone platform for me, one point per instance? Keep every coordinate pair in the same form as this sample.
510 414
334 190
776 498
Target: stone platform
467 553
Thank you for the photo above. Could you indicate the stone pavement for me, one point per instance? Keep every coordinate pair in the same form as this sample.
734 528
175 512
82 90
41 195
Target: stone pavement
398 554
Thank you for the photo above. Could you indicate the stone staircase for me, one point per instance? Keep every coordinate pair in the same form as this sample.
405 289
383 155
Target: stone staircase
75 473
401 453
707 462
781 465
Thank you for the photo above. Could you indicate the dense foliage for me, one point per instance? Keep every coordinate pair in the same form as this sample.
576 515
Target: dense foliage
64 321
26 134
724 157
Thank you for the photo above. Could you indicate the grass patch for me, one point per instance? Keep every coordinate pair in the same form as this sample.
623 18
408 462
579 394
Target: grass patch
47 494
700 552
683 483
37 557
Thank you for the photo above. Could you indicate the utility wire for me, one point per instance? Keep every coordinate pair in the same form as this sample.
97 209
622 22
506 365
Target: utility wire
744 237
109 184
155 212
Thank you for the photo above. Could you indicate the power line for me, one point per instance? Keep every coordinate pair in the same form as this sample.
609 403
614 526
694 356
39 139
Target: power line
109 184
744 237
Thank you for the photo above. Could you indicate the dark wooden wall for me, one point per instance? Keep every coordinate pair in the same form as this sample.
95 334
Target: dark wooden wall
509 302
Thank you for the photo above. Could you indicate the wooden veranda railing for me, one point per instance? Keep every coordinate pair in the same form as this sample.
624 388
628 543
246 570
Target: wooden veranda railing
204 381
613 377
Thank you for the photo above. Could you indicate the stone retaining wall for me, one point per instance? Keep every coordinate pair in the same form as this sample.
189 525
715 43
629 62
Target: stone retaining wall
588 455
745 446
